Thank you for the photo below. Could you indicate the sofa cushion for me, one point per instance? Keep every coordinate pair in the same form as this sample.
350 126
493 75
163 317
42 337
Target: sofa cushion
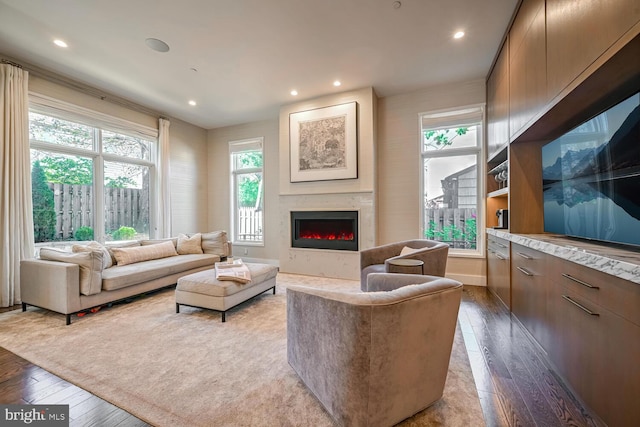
126 256
124 244
90 264
95 246
148 242
189 244
407 250
215 242
119 277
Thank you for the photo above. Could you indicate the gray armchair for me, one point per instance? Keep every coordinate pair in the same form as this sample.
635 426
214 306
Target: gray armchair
374 358
376 260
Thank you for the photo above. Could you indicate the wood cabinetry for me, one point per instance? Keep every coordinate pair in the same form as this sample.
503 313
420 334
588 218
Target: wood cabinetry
498 103
498 268
596 340
529 291
527 65
579 31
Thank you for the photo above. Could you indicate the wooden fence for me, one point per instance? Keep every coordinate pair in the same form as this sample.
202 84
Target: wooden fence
455 226
74 205
249 224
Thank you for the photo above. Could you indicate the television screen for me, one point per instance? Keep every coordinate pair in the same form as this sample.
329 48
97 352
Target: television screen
591 177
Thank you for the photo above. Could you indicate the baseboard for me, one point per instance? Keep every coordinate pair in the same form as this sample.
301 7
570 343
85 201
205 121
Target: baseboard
469 279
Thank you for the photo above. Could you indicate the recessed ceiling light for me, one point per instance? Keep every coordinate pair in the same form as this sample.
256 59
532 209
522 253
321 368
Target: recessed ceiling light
157 45
458 35
337 83
294 92
60 43
192 103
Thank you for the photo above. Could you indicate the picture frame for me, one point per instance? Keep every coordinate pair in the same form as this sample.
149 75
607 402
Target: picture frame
324 143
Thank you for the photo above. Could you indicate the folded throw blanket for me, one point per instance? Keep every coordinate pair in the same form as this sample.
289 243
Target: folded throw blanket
236 271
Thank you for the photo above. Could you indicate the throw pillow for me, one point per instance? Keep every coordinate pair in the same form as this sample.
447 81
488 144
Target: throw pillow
111 245
407 250
95 246
90 264
148 242
216 243
189 245
132 255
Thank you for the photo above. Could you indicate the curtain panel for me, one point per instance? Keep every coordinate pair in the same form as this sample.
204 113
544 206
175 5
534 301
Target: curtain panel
16 220
163 207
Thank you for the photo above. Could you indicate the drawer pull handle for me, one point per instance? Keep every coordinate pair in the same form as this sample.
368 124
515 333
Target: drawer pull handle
525 272
568 276
580 306
525 256
499 256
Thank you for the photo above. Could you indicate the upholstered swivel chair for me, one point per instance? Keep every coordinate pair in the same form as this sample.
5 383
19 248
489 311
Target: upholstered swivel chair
374 358
432 253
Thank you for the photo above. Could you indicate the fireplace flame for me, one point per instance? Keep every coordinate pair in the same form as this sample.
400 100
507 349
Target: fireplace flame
328 236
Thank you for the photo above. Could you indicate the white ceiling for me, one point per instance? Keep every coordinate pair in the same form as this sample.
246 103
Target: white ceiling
249 54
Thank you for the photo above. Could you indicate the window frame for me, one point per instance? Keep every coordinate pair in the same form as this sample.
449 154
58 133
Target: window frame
451 118
99 122
240 146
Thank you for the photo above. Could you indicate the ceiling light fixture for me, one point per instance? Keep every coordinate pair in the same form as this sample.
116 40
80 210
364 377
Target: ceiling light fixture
60 43
458 35
157 45
294 92
337 83
192 103
397 5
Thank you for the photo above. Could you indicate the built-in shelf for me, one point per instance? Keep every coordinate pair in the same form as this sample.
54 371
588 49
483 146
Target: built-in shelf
503 192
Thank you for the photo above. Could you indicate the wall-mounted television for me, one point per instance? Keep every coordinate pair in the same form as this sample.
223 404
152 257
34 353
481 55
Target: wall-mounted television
591 177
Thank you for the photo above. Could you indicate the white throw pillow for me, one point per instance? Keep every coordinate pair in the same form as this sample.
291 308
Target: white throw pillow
189 245
215 242
132 255
95 246
407 250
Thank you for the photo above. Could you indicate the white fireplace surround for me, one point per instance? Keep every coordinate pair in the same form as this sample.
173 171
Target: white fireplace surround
324 262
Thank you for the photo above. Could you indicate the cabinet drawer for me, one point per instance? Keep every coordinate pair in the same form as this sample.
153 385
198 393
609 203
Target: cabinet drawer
528 261
617 295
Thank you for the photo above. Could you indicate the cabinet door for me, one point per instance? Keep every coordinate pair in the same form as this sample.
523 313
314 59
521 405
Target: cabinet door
529 291
498 103
527 65
579 31
498 269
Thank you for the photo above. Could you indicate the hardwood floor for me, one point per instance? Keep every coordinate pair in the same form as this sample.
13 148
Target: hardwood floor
515 383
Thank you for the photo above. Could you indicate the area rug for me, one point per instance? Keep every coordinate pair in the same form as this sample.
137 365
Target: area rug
190 369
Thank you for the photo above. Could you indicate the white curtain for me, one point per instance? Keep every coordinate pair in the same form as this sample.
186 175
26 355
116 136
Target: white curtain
16 217
164 187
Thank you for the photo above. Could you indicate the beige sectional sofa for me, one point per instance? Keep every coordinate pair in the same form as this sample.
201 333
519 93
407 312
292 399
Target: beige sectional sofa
91 275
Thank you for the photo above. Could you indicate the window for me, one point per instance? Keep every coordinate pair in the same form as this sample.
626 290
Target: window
247 190
86 173
451 151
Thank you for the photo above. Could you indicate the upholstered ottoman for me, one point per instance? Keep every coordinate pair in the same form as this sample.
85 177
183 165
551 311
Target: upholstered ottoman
203 290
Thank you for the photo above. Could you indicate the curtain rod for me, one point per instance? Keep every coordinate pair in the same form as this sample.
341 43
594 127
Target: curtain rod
81 87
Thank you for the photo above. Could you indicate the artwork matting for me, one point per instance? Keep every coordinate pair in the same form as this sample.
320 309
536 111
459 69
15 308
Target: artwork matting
324 143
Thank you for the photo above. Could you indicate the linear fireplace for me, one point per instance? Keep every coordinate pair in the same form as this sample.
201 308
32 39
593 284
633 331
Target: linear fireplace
325 230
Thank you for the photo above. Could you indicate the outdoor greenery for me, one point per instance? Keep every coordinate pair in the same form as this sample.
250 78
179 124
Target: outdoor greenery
249 186
124 233
83 233
44 215
454 235
443 137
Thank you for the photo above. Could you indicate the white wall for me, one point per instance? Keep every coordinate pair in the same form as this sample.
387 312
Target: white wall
188 153
398 171
219 212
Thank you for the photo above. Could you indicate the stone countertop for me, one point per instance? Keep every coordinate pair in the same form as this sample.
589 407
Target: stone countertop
611 259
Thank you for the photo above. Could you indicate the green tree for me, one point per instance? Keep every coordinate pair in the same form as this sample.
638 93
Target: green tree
67 170
443 137
44 215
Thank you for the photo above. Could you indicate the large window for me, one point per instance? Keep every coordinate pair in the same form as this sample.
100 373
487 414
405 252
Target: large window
451 145
89 182
247 191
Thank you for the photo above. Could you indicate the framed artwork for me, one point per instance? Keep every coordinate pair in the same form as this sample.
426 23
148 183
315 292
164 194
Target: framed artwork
323 143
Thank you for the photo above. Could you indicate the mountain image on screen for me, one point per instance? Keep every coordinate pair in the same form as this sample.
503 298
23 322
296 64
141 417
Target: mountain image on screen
591 177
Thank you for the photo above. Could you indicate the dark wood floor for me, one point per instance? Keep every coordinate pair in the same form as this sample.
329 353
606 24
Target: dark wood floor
515 383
